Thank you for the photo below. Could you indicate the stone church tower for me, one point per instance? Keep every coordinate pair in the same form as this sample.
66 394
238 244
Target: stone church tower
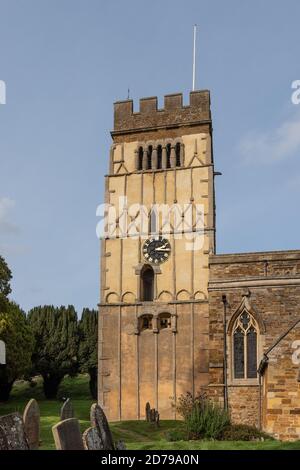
154 318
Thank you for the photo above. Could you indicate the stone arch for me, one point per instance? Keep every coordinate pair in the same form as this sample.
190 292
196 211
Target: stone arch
199 295
112 297
165 296
179 151
183 294
128 297
247 306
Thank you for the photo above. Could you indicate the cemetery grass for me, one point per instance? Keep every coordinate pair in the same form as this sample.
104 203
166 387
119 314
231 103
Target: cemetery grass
136 434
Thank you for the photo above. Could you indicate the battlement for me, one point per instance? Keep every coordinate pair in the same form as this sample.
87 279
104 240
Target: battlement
173 113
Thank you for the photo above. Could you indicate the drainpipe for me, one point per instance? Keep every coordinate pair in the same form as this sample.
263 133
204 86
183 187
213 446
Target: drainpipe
225 304
261 370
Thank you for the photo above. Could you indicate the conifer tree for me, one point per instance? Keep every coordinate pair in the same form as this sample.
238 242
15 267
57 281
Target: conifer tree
18 338
5 289
56 345
88 336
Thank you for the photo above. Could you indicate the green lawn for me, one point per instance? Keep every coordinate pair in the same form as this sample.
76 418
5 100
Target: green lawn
136 434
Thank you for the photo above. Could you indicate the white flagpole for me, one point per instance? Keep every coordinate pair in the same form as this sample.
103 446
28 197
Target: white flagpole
194 57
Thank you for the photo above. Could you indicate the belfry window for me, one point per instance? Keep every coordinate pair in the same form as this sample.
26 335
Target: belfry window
147 284
177 153
159 157
164 321
140 159
146 322
149 157
245 347
168 155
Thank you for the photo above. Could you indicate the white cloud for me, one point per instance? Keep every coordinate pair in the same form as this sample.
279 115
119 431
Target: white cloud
6 226
272 146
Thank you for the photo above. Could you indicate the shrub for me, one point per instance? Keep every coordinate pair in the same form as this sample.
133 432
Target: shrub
203 418
243 432
187 402
207 421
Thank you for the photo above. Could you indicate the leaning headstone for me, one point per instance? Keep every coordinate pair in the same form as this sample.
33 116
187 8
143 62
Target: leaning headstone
152 415
12 428
31 419
67 435
92 440
3 440
120 445
99 421
2 353
157 418
67 411
147 411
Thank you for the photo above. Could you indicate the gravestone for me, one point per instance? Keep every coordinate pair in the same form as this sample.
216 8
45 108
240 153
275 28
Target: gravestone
157 418
152 415
12 434
67 435
31 419
2 353
147 411
120 445
92 440
3 440
67 411
99 421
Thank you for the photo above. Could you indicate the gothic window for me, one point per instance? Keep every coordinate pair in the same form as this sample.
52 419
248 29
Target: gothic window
164 321
177 153
146 322
245 347
159 157
168 147
147 284
140 159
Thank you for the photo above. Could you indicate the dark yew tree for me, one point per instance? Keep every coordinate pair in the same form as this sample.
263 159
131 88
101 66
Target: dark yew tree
56 345
88 337
5 289
18 338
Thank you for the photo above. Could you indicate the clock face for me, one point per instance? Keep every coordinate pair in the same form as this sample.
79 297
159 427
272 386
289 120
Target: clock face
156 250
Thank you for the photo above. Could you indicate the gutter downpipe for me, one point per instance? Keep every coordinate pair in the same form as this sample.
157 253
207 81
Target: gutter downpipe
225 304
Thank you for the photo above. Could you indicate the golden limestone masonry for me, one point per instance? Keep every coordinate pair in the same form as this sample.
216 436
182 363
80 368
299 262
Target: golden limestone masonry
175 317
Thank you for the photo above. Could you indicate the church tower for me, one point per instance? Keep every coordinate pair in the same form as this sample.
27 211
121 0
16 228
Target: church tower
154 325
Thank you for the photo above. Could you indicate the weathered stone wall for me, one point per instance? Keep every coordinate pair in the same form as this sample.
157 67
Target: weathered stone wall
271 284
281 412
173 113
136 367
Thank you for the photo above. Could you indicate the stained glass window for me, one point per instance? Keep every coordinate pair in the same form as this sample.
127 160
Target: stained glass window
239 354
245 347
251 353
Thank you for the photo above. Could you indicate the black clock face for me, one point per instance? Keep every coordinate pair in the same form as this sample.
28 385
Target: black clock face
156 250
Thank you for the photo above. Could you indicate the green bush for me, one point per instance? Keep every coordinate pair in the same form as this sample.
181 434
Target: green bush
207 421
187 402
243 432
203 418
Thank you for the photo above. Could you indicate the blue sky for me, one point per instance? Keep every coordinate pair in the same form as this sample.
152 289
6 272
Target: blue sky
65 62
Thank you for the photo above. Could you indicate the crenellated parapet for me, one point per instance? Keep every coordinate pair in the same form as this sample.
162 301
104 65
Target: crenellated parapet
174 113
